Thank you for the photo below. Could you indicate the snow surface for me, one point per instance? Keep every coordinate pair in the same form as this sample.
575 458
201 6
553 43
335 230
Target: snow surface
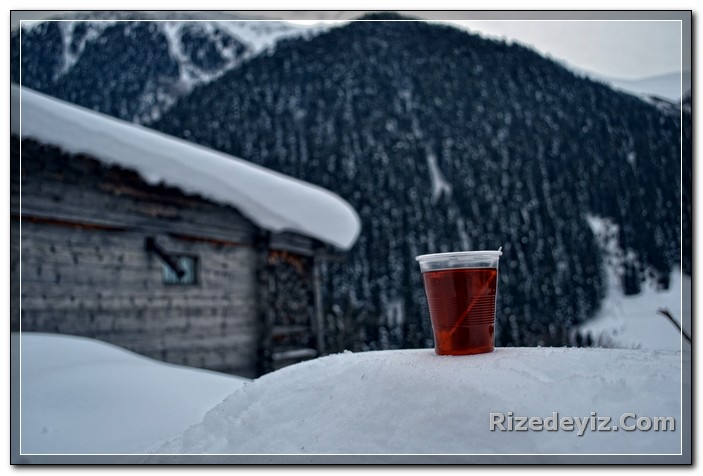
81 395
415 402
272 200
632 321
84 396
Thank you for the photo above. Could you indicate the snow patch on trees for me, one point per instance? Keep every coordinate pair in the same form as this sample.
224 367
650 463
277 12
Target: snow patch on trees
440 185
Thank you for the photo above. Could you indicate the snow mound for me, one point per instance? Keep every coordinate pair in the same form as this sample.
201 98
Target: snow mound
80 395
272 200
415 402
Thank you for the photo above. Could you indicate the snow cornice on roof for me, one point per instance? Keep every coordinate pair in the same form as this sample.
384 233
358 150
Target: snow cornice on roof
273 201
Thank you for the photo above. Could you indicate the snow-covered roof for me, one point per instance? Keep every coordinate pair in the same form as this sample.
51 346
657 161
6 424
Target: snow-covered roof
272 200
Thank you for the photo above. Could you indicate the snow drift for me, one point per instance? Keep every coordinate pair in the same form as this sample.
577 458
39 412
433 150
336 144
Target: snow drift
80 395
415 402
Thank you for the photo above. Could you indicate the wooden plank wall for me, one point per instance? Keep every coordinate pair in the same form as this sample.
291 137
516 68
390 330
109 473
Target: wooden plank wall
98 281
76 187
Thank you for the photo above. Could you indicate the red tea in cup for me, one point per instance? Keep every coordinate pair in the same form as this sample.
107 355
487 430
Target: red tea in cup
461 294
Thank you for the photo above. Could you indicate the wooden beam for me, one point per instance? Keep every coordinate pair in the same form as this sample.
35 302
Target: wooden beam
59 220
212 241
67 223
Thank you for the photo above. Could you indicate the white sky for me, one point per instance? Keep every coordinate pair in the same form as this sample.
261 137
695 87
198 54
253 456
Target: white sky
621 49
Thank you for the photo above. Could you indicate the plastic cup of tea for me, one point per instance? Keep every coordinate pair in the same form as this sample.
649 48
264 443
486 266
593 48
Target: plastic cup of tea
461 294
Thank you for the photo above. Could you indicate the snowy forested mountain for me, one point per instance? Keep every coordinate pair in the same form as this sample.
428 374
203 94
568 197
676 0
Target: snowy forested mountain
440 139
443 141
136 70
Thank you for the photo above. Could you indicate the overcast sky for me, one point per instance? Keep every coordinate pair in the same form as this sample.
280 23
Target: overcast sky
616 49
621 49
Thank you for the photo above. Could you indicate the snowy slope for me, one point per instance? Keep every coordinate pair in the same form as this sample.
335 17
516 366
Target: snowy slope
80 395
415 402
256 36
66 58
667 86
257 33
632 321
270 199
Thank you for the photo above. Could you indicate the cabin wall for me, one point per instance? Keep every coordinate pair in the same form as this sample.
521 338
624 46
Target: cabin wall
85 271
77 187
103 284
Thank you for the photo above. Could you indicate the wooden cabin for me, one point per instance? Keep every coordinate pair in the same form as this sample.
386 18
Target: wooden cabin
165 248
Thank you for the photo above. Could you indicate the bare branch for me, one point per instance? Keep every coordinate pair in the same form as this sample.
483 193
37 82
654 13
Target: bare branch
665 312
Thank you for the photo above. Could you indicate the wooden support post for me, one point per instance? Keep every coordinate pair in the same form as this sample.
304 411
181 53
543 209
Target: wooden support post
318 314
263 304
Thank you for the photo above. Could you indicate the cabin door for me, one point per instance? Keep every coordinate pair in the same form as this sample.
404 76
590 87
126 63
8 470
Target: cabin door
291 335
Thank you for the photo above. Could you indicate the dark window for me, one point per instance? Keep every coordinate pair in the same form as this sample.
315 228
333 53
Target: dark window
189 265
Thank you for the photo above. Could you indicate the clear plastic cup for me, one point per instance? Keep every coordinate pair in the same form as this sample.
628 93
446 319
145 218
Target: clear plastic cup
461 292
